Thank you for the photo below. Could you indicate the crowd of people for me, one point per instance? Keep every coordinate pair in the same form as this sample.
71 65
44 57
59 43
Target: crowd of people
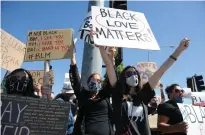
91 111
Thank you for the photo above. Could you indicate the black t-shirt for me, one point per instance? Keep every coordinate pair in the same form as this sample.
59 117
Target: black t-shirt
125 111
95 113
171 110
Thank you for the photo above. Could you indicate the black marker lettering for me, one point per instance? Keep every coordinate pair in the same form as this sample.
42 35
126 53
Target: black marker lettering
103 13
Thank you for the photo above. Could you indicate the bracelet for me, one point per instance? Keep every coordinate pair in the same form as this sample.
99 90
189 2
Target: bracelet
172 57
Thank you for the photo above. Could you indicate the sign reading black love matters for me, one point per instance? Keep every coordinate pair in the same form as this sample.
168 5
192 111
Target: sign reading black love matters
121 28
30 116
195 117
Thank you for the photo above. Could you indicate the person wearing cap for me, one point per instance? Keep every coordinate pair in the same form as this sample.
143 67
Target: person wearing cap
67 95
170 119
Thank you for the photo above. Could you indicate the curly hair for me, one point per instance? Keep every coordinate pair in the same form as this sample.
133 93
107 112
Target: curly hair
29 89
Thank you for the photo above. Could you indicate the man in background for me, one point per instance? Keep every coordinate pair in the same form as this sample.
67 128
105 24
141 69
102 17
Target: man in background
67 95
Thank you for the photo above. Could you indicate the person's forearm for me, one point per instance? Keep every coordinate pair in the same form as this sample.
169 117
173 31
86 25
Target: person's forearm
109 66
153 81
73 60
166 128
162 96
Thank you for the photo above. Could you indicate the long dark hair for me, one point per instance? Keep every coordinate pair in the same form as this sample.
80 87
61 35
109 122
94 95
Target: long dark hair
125 89
29 89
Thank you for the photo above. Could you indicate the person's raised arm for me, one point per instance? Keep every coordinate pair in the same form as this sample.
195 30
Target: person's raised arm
162 94
109 66
168 63
74 75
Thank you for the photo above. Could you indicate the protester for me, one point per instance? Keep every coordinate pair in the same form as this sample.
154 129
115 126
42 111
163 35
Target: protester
19 82
130 99
94 110
38 89
170 120
155 101
68 95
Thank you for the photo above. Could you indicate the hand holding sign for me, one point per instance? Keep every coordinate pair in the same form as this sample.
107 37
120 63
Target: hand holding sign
182 127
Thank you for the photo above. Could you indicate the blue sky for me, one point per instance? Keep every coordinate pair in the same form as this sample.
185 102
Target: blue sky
169 21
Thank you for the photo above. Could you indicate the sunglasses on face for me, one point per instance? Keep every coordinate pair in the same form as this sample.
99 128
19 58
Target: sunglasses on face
178 91
130 73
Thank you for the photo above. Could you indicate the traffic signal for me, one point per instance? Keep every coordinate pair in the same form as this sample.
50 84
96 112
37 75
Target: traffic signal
190 84
199 83
118 5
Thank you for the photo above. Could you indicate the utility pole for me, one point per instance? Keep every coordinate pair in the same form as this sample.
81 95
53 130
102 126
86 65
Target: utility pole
118 5
92 61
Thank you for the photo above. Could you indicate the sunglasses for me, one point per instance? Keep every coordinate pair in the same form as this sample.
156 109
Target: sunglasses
130 73
178 91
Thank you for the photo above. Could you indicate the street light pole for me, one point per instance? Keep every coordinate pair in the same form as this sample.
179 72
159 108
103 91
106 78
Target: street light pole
92 61
149 55
149 52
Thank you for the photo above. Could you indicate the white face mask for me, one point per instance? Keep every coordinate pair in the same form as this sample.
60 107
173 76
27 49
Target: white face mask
132 80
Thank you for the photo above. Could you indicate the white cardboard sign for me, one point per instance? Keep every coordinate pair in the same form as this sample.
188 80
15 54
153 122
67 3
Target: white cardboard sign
85 29
195 117
198 97
121 28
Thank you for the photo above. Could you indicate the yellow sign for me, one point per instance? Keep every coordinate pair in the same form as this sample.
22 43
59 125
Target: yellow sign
49 45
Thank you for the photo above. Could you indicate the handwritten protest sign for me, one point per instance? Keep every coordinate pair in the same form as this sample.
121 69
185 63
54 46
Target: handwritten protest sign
146 70
198 97
28 116
195 117
12 51
85 29
37 76
49 45
121 28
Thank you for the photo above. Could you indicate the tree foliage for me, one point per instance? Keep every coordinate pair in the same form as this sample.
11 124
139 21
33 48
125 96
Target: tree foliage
119 70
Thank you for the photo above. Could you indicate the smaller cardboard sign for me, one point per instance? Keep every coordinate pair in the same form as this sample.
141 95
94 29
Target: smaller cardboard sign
195 117
12 51
33 116
146 70
49 45
122 28
37 76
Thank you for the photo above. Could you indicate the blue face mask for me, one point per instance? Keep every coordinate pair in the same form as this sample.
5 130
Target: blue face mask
179 100
94 85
